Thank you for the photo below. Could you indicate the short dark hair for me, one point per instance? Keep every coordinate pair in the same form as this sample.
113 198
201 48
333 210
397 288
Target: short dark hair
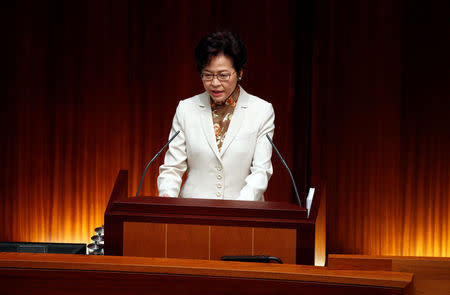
222 42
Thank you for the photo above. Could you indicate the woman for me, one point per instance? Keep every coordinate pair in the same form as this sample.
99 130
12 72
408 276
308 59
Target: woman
222 144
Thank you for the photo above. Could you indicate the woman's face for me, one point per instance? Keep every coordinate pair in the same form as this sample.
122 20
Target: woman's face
220 90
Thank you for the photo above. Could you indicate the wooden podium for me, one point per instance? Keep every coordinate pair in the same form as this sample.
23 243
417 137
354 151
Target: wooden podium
206 228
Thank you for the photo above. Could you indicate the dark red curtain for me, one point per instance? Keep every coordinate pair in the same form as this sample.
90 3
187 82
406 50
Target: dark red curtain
360 90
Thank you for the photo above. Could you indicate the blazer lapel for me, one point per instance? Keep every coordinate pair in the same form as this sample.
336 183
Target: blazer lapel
236 120
207 124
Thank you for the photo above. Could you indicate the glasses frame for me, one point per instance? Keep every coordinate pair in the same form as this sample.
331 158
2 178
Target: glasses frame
216 76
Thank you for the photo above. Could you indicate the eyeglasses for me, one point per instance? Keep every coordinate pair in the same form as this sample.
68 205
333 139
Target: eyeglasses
222 77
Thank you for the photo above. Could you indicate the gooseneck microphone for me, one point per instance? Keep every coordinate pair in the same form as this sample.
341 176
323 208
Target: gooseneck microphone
289 170
156 156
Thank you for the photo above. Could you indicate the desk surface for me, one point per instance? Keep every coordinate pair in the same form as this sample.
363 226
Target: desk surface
270 271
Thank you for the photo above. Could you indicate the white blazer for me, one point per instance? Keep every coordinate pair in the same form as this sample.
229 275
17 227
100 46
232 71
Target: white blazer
240 171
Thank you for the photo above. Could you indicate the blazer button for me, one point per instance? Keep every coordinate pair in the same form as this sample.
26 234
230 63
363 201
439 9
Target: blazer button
219 168
218 194
219 176
219 185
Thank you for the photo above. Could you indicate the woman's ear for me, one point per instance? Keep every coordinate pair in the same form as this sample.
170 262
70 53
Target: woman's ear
240 75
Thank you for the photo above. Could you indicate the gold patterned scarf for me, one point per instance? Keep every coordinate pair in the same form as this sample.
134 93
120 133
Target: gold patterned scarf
222 114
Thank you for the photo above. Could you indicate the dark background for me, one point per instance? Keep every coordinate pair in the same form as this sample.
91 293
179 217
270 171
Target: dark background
360 91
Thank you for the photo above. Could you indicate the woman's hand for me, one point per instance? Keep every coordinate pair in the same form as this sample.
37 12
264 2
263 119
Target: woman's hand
166 195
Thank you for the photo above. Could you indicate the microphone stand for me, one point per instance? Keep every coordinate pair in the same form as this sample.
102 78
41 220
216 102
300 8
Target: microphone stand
289 170
156 156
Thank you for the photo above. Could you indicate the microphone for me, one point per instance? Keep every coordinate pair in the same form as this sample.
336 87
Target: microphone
156 156
289 170
252 258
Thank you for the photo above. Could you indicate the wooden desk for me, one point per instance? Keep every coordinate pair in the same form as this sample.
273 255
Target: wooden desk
431 274
29 273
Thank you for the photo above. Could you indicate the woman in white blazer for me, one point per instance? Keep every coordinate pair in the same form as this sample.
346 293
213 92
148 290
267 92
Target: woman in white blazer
222 143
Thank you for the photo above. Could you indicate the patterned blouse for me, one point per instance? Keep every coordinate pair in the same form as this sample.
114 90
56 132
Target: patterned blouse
222 114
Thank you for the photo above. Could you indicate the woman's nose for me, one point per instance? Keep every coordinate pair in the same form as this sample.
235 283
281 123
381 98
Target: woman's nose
215 81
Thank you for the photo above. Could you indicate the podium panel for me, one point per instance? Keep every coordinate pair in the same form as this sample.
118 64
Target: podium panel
187 241
144 239
206 242
281 243
206 228
231 240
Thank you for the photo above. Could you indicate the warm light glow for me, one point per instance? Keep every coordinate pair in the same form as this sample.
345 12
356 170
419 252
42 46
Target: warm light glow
84 102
